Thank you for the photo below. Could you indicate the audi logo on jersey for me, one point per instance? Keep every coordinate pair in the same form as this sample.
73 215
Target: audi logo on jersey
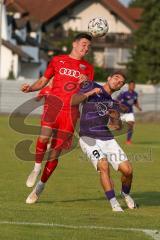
69 72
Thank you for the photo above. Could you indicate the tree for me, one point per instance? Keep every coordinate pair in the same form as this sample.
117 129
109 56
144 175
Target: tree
144 64
137 3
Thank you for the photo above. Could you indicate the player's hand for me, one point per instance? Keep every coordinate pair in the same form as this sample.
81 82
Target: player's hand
96 91
83 78
122 108
113 114
113 126
26 88
93 92
114 120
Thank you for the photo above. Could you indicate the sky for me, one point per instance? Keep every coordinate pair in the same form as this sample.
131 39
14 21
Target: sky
125 2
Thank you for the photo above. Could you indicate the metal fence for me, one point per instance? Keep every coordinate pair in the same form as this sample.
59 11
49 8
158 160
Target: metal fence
11 97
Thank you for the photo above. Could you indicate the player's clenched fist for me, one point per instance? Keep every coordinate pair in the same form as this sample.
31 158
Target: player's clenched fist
83 78
114 122
97 90
113 114
26 88
93 91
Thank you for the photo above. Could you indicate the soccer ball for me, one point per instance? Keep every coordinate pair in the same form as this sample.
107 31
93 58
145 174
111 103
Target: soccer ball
98 27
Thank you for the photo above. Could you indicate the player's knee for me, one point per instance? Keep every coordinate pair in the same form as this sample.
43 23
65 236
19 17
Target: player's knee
130 126
128 172
54 154
43 139
103 166
126 169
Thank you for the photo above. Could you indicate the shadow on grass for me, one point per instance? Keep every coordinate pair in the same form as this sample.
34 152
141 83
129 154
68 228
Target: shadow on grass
147 198
73 200
147 142
141 198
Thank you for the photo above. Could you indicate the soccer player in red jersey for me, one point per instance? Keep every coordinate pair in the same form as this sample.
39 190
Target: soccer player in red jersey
59 118
43 94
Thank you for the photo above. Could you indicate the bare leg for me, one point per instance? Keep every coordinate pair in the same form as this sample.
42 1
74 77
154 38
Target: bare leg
107 184
104 170
130 132
41 148
127 175
50 166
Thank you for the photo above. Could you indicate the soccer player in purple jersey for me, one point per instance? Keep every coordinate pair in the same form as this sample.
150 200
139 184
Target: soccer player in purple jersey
99 112
129 98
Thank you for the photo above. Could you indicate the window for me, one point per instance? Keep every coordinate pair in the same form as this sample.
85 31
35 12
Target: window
116 57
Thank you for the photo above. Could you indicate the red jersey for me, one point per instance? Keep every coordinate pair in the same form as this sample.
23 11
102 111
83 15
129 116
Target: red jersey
43 92
66 72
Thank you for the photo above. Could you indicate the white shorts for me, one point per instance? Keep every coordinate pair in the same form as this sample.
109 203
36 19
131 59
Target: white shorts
97 149
128 117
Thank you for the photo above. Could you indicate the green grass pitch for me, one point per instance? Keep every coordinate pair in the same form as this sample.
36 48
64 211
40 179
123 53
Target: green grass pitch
73 205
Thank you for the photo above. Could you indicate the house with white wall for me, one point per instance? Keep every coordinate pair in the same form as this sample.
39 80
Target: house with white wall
111 51
30 21
21 38
11 54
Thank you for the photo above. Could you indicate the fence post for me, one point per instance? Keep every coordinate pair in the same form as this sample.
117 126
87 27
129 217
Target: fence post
1 18
156 99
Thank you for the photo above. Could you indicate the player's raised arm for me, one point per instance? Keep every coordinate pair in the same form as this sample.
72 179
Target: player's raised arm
79 98
39 84
122 108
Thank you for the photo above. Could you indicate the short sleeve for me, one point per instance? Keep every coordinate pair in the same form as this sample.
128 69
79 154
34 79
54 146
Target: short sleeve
136 98
50 71
86 87
120 97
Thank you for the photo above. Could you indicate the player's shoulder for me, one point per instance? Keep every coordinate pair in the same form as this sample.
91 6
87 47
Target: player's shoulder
96 85
135 93
87 86
122 93
59 57
93 84
85 62
125 91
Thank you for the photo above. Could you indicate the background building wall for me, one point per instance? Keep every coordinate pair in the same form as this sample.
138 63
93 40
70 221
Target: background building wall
11 96
6 62
79 16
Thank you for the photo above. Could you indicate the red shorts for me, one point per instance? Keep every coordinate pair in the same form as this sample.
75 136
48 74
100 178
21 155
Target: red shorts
63 123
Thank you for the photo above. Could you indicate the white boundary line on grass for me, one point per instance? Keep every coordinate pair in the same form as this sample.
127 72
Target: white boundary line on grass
155 234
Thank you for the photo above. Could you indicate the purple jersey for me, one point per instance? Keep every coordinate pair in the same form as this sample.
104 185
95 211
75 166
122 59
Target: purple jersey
94 118
128 98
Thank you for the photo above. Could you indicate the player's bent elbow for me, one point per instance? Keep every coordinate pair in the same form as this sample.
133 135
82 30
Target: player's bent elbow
74 101
119 126
77 99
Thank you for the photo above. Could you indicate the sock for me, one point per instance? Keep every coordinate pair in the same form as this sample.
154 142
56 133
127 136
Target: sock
39 187
126 189
37 167
49 168
110 195
129 135
40 150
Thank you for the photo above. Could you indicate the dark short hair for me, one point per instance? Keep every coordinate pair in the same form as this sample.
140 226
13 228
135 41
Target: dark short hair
131 81
82 35
118 72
